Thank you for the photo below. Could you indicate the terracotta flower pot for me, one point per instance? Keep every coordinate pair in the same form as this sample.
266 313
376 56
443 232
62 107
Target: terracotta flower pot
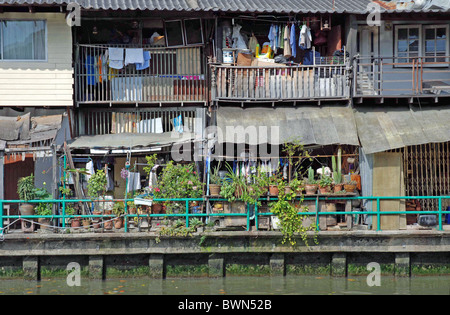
157 208
26 209
108 224
287 190
325 190
118 223
273 190
350 188
214 190
86 223
45 223
310 189
75 223
338 187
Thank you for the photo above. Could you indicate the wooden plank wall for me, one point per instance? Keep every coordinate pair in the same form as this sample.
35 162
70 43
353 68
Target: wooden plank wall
40 83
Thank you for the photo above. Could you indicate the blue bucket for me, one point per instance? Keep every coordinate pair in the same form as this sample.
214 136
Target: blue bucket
447 216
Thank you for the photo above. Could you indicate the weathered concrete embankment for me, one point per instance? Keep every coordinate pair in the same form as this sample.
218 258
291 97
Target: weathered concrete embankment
217 254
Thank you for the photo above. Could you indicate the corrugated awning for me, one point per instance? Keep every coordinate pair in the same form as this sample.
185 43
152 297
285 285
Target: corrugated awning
130 140
386 128
311 125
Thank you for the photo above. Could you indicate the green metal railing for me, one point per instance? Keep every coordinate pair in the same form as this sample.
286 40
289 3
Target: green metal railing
187 215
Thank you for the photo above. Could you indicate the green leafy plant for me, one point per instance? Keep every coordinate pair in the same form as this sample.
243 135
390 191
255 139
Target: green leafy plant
325 181
118 208
337 168
97 184
214 177
310 180
26 188
151 162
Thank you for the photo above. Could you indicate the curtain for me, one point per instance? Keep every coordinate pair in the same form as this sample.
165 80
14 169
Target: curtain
23 40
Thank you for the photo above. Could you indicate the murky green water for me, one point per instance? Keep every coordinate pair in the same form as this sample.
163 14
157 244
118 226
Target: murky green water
233 286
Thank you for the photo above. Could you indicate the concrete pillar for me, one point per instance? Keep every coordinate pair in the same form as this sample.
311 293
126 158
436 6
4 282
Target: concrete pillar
402 264
339 264
216 265
96 267
31 270
277 265
156 266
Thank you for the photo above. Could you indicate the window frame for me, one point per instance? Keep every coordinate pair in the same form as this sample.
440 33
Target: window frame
421 49
24 60
447 53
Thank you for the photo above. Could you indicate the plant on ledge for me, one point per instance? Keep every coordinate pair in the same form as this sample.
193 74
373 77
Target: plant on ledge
287 208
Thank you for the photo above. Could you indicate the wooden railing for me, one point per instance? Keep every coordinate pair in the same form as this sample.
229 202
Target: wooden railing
280 82
401 76
174 75
139 120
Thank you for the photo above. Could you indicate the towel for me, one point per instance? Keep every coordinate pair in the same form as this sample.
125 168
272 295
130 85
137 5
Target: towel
115 58
134 55
146 63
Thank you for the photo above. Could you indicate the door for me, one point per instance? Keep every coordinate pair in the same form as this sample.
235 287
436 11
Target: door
368 78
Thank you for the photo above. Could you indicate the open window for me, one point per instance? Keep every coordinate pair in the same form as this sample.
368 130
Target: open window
186 32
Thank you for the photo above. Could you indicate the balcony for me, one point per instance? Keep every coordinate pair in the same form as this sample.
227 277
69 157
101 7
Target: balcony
174 75
320 82
406 77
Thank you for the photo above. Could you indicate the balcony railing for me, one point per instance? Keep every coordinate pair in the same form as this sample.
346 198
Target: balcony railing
174 75
103 121
280 82
401 76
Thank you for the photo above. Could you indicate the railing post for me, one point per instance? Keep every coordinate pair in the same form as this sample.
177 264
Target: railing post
1 216
440 213
256 215
248 217
317 215
378 215
187 213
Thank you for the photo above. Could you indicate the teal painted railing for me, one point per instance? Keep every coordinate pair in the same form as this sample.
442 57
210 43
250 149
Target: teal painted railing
187 215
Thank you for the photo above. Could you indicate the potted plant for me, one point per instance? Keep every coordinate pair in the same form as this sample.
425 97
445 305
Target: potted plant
26 190
119 211
296 185
273 185
44 208
337 174
350 186
311 183
233 186
75 222
325 182
215 182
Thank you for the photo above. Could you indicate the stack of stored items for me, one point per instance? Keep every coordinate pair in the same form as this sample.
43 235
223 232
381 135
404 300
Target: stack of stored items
412 205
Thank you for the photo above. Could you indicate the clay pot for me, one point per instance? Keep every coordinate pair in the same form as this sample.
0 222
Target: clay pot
349 188
310 189
86 223
273 190
157 208
75 223
108 224
338 187
96 221
287 190
325 190
118 223
26 209
44 223
214 190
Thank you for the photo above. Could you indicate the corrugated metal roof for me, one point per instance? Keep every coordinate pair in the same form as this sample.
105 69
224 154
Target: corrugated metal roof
389 128
309 124
257 6
254 6
129 140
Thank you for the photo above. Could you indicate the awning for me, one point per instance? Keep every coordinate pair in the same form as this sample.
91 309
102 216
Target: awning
386 128
130 140
323 125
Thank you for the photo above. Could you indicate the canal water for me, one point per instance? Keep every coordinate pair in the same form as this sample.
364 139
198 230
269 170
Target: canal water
233 285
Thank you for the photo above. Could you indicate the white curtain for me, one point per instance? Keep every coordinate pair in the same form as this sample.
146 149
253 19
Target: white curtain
23 40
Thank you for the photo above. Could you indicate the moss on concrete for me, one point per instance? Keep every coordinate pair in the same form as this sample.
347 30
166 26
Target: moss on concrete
247 270
187 271
308 269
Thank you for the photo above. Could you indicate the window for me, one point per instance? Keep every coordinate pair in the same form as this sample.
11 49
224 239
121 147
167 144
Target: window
436 44
183 32
23 40
407 43
422 41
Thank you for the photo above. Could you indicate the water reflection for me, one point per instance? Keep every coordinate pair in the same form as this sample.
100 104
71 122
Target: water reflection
233 285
